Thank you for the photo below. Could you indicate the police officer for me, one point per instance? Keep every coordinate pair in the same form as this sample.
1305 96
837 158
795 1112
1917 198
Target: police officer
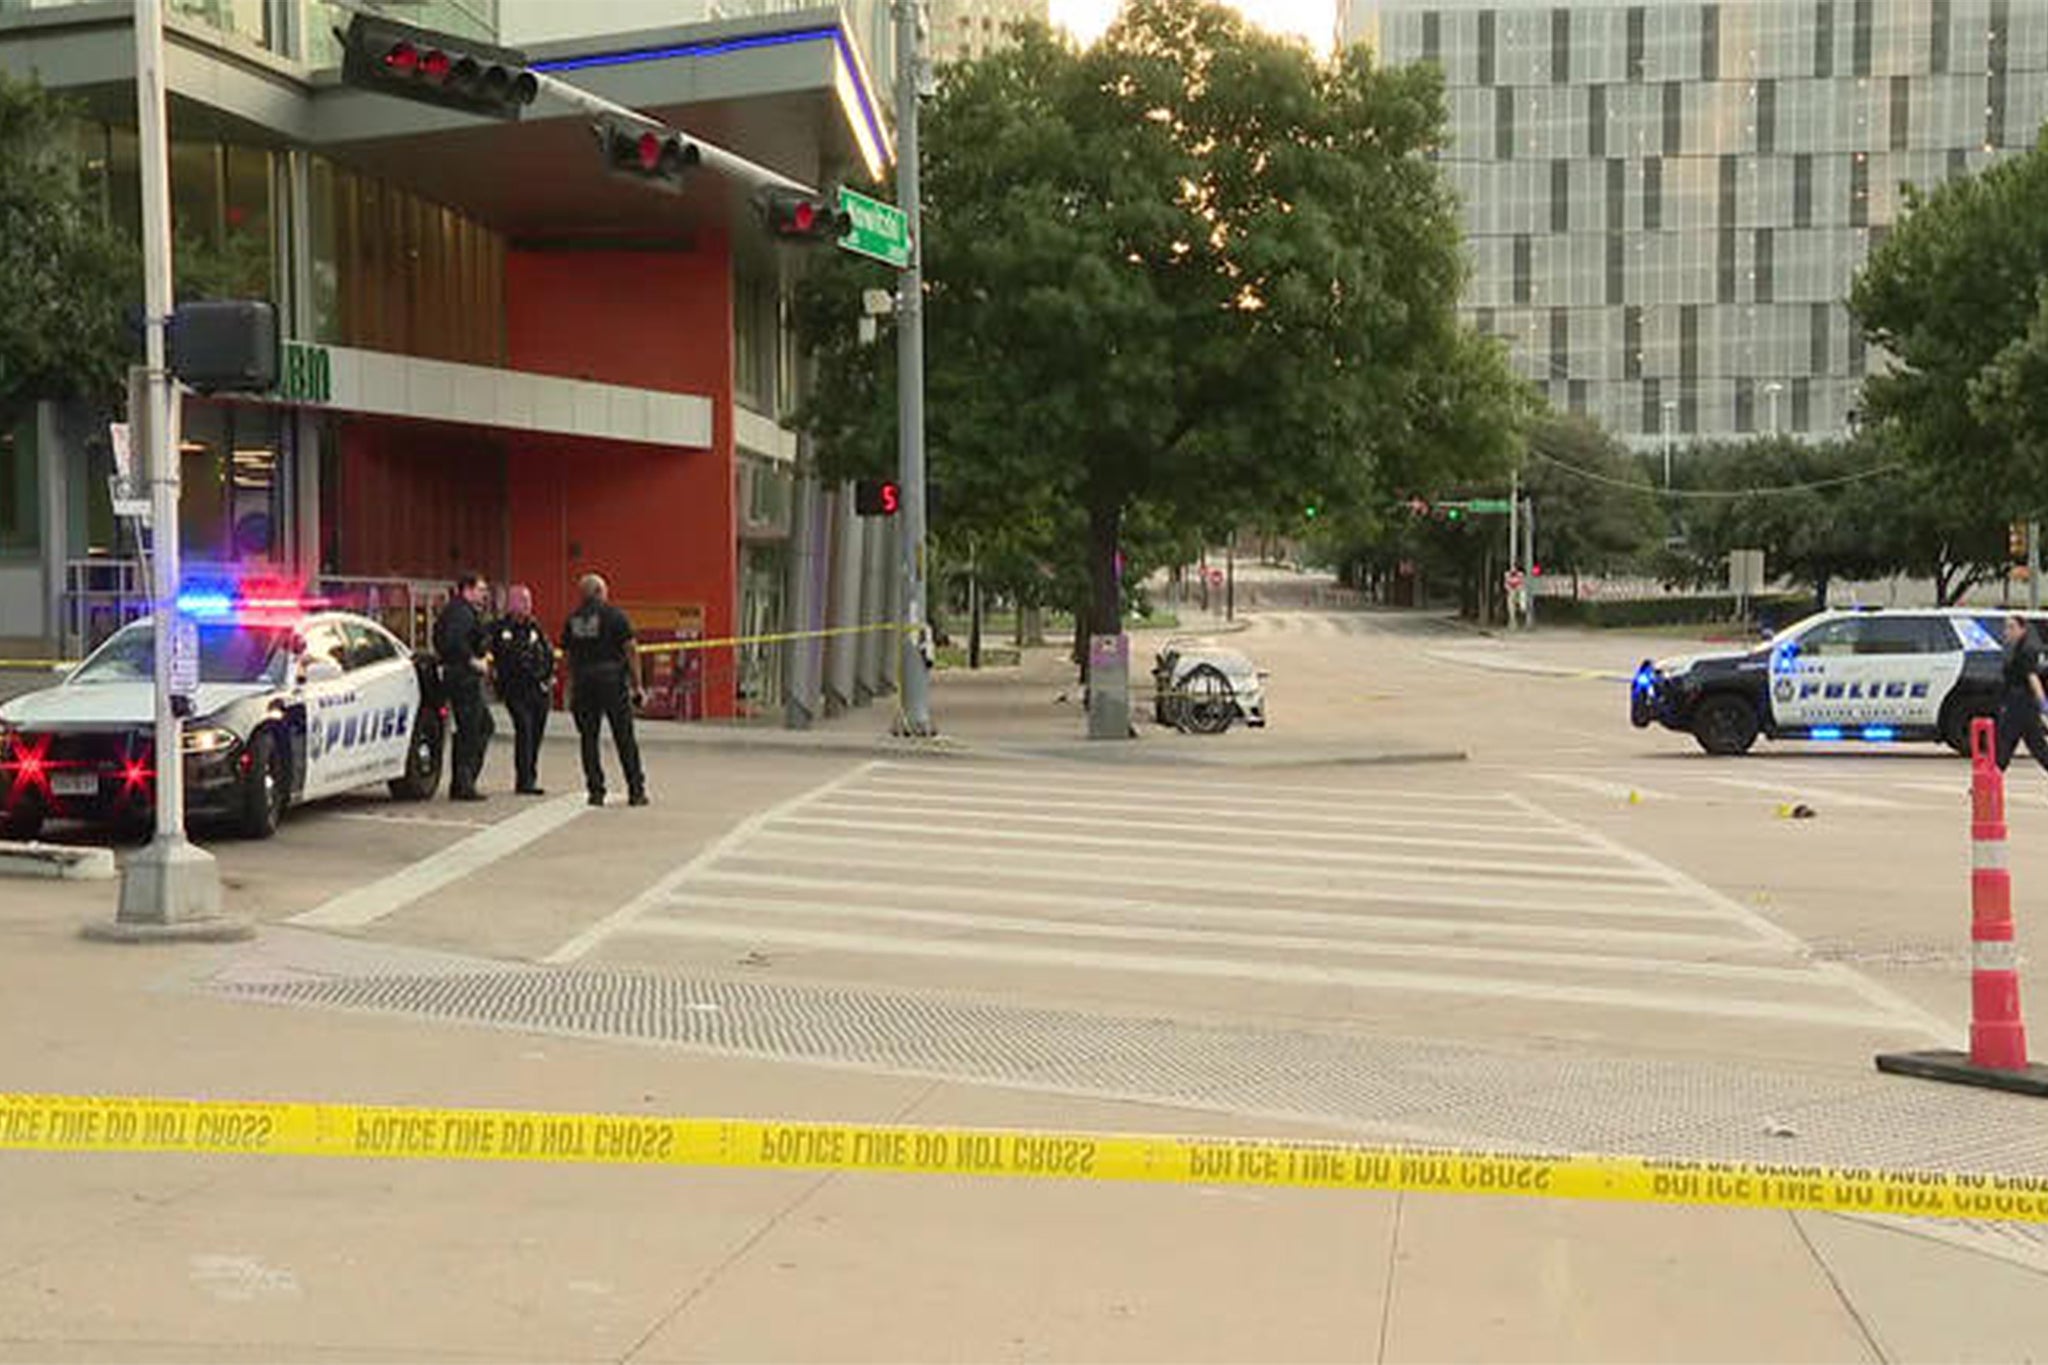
460 642
2019 706
604 683
524 663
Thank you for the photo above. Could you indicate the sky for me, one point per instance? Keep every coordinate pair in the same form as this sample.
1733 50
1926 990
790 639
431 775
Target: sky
1312 19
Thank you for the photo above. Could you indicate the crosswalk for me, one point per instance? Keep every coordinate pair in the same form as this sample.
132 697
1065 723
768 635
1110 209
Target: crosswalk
1146 887
1922 783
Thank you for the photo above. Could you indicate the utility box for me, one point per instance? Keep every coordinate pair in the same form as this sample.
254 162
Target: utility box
225 346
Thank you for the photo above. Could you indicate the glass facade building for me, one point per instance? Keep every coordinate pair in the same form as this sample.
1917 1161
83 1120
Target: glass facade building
1666 202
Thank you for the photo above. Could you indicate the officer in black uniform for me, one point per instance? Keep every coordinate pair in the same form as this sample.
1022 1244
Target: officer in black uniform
460 642
604 684
524 663
2019 706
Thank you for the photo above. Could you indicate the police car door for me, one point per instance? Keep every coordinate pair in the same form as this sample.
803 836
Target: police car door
390 688
1852 673
331 700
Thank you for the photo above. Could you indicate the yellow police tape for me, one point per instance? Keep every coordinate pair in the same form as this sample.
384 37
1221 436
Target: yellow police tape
685 646
83 1123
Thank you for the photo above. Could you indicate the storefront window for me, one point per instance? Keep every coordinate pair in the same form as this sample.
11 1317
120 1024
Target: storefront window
233 499
20 487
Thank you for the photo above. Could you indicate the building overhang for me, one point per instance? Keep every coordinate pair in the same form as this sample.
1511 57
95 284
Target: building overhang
789 91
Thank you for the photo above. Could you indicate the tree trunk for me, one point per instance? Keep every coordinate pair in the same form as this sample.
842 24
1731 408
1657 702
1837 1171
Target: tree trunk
1820 591
1105 593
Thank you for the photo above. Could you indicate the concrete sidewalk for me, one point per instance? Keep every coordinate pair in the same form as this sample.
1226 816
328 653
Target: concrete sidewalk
219 1259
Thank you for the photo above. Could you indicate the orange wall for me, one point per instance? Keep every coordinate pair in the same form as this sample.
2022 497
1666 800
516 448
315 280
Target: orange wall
658 522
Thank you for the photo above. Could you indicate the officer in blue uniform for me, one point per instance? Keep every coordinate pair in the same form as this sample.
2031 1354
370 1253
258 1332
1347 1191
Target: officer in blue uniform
523 662
461 643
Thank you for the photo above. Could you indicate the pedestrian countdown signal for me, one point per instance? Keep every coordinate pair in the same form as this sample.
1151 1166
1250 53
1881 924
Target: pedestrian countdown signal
877 498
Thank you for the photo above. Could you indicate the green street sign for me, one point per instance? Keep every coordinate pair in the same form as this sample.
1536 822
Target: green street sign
874 229
1498 506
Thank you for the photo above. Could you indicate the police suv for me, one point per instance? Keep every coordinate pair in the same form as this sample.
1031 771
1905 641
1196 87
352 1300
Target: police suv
1838 675
289 707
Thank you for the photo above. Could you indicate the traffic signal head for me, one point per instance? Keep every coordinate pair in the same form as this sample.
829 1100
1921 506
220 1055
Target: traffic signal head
442 69
876 497
793 217
652 156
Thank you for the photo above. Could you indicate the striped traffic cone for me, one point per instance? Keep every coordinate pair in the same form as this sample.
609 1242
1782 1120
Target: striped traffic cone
1998 1036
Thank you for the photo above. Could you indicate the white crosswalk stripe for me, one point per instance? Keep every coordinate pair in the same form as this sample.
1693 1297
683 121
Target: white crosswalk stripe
1837 786
994 869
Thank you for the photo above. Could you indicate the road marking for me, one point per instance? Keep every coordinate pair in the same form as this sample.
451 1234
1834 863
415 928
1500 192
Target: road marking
430 821
386 896
1661 1001
1064 845
1181 910
694 898
1905 1011
1064 782
854 808
1238 814
1806 791
1620 791
621 918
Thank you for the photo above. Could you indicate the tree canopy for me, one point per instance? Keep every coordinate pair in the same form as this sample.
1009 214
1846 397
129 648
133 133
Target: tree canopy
1187 278
69 278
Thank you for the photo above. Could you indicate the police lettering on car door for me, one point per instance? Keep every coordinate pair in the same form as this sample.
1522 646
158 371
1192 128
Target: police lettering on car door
1861 670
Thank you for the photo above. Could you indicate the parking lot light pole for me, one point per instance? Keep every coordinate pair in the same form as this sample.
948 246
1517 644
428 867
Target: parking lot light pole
170 890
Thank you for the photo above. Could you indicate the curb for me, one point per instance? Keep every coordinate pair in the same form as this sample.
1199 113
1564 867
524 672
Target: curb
58 862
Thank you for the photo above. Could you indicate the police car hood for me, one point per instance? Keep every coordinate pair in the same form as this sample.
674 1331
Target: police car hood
113 705
1685 663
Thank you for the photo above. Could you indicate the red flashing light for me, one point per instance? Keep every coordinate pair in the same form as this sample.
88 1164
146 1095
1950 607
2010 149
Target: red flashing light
802 217
436 65
28 765
135 774
402 60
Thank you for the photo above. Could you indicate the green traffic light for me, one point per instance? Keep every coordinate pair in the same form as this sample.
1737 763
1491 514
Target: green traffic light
1310 511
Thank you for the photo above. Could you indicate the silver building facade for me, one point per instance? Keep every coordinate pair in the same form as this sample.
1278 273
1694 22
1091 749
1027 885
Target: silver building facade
1666 202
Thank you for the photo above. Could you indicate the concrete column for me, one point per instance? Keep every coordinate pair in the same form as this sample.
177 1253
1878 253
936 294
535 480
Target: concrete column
873 609
891 531
842 652
808 547
301 324
53 460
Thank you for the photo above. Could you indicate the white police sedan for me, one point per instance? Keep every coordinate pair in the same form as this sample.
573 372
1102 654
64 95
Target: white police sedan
290 707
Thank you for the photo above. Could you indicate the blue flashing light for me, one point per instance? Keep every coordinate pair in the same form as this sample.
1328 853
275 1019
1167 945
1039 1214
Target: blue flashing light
1879 732
1646 679
206 604
1825 732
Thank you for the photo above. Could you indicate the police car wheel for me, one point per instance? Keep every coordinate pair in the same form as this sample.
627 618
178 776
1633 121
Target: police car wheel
1725 725
264 788
423 760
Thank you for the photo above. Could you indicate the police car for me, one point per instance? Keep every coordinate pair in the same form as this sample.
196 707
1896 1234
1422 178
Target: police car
291 706
1839 675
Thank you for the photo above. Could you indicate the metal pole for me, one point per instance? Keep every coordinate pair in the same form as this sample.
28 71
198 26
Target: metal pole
170 889
1514 539
1230 578
2033 566
915 716
1529 563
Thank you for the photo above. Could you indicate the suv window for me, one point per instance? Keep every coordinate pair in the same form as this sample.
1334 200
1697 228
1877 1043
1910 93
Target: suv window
1905 635
369 645
1835 639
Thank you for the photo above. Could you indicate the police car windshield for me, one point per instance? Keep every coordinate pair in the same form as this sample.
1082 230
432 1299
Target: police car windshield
227 654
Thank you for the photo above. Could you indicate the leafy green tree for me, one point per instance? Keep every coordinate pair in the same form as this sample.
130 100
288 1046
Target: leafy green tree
1595 512
66 278
1189 277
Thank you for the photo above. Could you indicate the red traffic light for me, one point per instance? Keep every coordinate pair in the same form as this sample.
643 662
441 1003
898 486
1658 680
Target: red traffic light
648 150
436 65
797 217
403 58
651 156
445 69
877 497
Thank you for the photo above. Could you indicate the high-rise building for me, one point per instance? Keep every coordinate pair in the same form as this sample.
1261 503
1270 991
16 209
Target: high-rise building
1666 201
972 28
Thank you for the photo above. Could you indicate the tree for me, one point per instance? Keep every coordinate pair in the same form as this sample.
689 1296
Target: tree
1594 510
1189 274
1814 510
68 277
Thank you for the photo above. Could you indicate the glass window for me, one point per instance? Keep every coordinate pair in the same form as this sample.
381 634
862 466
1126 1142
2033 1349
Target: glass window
369 645
1903 635
1837 639
227 654
327 640
20 490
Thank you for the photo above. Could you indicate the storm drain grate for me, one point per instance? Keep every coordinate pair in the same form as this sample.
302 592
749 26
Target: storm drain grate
1388 1087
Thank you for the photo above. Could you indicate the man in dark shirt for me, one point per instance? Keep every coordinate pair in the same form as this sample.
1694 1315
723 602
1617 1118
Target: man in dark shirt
604 681
460 642
524 663
2019 709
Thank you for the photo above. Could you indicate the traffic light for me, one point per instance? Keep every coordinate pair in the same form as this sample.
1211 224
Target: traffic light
876 497
654 157
793 217
441 69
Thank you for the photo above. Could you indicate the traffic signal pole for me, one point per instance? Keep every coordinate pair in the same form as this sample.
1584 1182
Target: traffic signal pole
170 890
713 156
915 717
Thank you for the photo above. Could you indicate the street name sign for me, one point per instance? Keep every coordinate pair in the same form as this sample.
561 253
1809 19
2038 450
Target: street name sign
874 229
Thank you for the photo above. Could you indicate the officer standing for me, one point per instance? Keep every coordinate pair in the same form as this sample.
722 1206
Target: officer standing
2019 707
604 682
524 663
460 642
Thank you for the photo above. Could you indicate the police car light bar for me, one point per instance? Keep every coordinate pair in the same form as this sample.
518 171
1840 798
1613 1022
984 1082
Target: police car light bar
270 600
